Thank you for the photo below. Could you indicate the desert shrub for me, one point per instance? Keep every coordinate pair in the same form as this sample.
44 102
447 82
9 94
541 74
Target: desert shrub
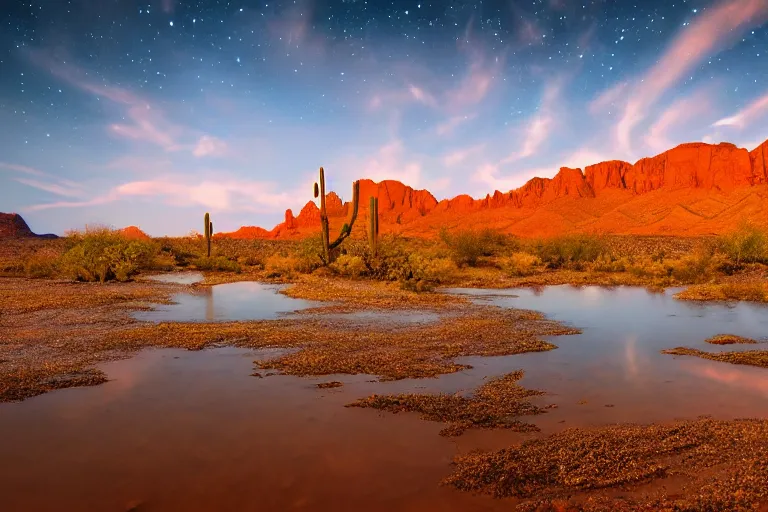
40 265
349 265
468 245
694 268
748 244
217 263
571 251
281 265
102 254
650 268
609 263
520 264
309 254
431 270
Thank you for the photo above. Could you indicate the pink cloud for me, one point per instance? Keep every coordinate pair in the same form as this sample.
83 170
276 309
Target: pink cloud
221 195
46 182
460 155
708 33
539 126
168 6
53 188
209 146
451 124
488 175
146 127
473 88
679 112
746 115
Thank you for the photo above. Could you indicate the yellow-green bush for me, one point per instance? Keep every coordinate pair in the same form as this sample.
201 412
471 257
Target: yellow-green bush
607 263
520 264
748 244
432 270
468 245
570 251
349 265
102 254
280 265
217 263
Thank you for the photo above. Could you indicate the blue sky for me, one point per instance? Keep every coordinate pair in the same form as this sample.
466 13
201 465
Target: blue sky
151 113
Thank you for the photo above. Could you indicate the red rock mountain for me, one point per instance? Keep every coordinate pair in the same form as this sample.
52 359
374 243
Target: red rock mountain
693 189
134 233
12 225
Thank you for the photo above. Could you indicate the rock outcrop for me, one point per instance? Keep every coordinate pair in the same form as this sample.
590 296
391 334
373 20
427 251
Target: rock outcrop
12 225
691 189
134 233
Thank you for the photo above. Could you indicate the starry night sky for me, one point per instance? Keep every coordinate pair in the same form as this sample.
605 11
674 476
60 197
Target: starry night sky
150 113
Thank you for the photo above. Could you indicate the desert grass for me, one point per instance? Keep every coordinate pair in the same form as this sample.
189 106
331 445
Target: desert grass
750 357
496 404
722 465
756 291
729 339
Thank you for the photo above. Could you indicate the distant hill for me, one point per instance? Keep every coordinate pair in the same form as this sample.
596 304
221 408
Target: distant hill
12 225
134 233
692 189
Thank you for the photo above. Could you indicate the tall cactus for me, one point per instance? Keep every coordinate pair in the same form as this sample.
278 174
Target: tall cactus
208 232
346 230
373 224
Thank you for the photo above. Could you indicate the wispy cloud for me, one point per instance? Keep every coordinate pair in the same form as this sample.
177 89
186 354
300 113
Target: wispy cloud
449 126
681 111
539 126
221 195
746 115
45 181
460 155
147 122
209 146
711 31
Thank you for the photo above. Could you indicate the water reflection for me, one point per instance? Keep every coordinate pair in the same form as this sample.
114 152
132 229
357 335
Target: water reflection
228 302
617 359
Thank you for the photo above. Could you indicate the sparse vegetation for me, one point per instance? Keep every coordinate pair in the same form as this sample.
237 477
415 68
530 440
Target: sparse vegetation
730 339
496 404
721 462
749 357
101 254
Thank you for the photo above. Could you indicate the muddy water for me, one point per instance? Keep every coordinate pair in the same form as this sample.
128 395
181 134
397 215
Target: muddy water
193 431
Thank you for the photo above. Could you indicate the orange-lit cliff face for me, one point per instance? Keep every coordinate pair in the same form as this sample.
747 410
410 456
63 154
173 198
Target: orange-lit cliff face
692 189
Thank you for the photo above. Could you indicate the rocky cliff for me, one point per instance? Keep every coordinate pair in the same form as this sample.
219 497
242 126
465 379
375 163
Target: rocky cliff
694 188
12 225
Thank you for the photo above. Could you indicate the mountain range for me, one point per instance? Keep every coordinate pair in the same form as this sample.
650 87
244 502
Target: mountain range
690 190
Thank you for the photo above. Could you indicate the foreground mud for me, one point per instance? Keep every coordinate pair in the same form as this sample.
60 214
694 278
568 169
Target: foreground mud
702 465
53 333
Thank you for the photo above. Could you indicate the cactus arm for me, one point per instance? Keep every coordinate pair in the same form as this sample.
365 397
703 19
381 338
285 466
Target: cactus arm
347 229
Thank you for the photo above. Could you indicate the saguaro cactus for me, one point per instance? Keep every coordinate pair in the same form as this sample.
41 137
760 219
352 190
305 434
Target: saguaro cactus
346 230
208 232
373 224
